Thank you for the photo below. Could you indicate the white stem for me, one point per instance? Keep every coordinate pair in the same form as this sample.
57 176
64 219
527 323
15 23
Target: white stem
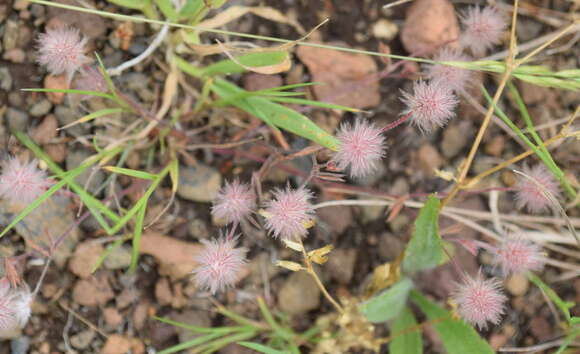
156 43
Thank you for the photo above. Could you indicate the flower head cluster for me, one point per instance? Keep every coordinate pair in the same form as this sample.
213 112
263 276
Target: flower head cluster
288 215
535 189
234 202
22 182
480 300
61 50
449 76
518 255
483 28
14 306
220 264
362 145
431 105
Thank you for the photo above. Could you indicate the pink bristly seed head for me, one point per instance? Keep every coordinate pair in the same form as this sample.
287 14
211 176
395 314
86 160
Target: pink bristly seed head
219 264
288 214
531 193
61 50
234 202
480 300
516 255
22 182
483 28
361 148
431 105
14 306
450 76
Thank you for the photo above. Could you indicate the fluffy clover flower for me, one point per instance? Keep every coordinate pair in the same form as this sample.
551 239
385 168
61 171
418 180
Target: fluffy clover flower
61 50
288 214
483 28
362 145
220 264
480 300
234 202
532 191
22 182
518 255
14 307
431 105
453 77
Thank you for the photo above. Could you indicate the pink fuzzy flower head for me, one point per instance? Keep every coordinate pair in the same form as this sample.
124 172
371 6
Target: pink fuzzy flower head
517 255
361 147
431 106
220 264
289 213
480 300
483 28
14 307
22 182
450 76
532 192
234 202
61 50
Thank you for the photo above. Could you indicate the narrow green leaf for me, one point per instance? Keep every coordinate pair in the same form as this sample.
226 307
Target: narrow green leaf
137 237
191 343
425 249
457 336
100 113
406 338
564 306
276 114
255 59
313 103
388 304
260 348
79 92
130 172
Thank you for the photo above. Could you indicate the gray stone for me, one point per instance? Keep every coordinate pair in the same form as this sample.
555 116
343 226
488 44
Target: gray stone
119 258
10 39
77 157
66 115
390 247
192 318
199 184
20 345
16 119
5 79
83 339
341 263
299 294
454 140
47 223
41 108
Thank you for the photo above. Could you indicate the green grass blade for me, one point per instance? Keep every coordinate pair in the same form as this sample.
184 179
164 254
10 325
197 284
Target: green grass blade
255 59
550 164
100 113
79 92
545 158
137 238
313 103
130 172
564 306
196 329
94 205
277 115
260 348
191 343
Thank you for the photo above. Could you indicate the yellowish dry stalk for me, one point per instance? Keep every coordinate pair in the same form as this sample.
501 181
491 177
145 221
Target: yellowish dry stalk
312 272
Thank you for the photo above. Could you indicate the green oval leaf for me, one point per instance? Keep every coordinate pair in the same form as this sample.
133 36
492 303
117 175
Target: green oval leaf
425 250
406 340
388 304
457 336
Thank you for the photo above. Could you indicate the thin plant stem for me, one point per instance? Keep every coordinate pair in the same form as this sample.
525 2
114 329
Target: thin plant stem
509 67
312 272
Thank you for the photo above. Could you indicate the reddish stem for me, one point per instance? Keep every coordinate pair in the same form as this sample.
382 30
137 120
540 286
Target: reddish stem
396 123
